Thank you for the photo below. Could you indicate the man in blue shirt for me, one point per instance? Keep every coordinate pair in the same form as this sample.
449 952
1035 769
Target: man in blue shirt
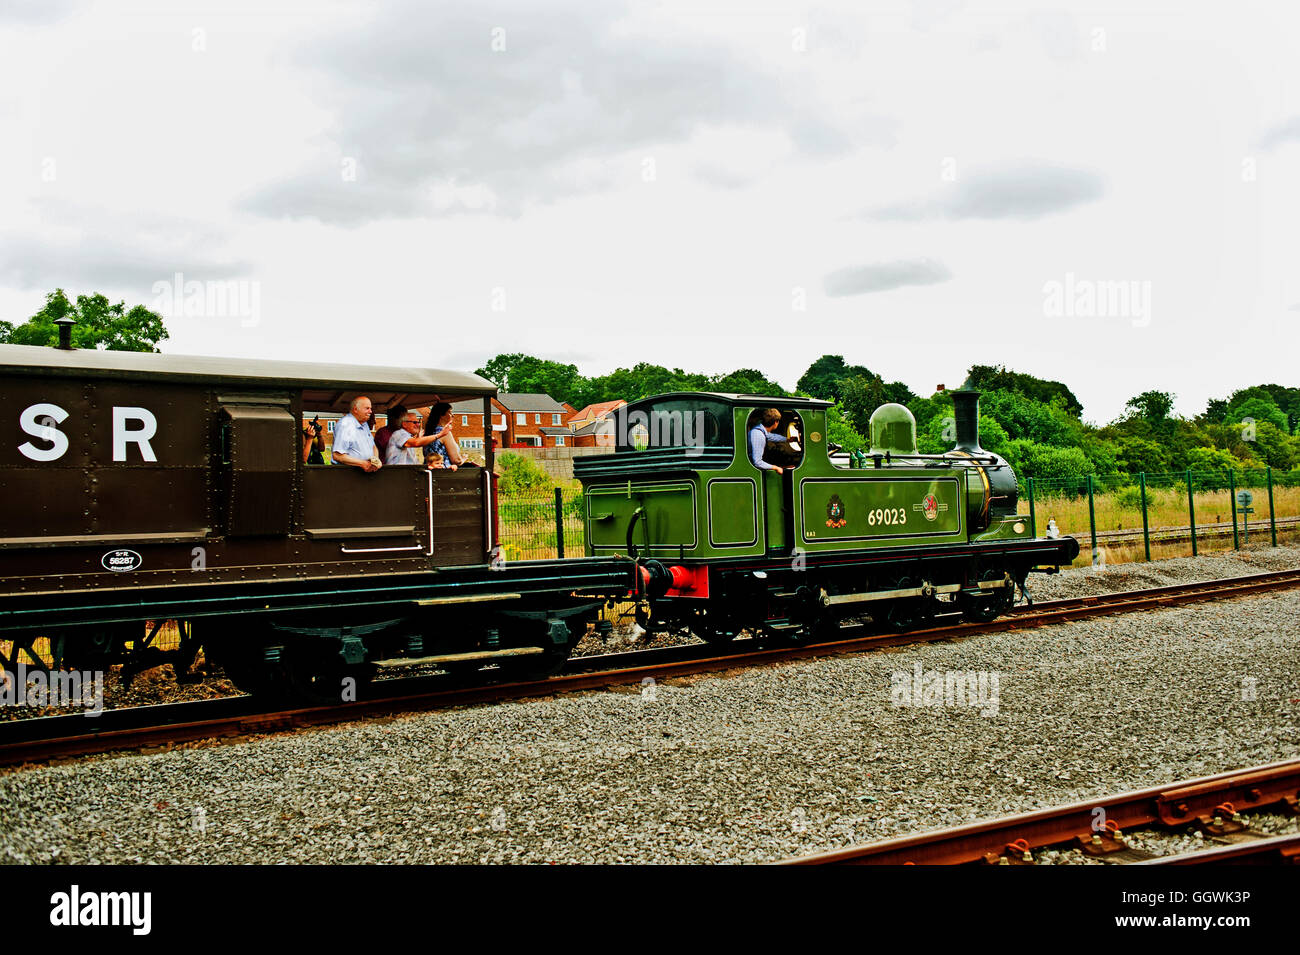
761 435
353 442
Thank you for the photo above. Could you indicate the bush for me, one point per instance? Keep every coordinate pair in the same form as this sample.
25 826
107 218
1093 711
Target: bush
518 473
1129 497
1047 463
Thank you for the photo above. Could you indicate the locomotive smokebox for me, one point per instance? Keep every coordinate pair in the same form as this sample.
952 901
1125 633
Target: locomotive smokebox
966 411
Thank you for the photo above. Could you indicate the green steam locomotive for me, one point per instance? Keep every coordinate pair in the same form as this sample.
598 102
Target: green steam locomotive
737 523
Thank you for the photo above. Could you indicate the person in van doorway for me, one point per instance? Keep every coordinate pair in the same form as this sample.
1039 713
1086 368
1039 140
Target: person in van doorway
761 435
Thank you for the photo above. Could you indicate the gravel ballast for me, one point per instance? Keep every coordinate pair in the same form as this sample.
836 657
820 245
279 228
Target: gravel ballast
1138 575
749 766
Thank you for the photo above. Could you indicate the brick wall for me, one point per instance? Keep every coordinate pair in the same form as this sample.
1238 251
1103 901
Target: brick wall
558 462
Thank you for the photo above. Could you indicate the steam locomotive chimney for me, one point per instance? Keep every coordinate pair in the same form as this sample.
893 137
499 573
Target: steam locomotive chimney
966 411
65 331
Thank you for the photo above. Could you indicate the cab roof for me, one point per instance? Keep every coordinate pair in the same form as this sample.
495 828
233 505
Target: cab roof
789 401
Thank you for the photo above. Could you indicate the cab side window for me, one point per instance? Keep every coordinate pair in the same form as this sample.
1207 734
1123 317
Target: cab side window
770 447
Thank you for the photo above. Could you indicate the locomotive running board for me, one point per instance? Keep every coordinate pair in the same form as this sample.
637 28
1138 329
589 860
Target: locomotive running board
476 656
471 599
925 591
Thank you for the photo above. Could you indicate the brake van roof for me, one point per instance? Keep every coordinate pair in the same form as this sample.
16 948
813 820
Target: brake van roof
324 385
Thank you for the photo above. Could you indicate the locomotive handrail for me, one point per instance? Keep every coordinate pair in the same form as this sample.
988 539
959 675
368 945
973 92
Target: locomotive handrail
976 460
638 514
489 510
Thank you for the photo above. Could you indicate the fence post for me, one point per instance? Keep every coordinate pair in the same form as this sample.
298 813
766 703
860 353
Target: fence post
1146 530
1092 522
1232 499
1191 509
1033 523
1272 516
559 522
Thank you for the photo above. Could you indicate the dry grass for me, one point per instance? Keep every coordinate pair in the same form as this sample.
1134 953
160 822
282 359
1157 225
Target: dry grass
1166 507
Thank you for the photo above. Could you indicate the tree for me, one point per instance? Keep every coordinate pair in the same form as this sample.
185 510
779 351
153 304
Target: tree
1258 410
839 431
823 377
100 324
1278 449
998 378
747 381
925 409
1134 455
1212 459
1216 409
1044 462
860 396
899 393
540 376
498 369
1152 406
1030 419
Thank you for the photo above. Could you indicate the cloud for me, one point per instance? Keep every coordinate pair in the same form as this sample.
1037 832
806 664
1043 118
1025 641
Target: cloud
719 176
1280 135
38 12
76 252
486 110
1023 190
883 276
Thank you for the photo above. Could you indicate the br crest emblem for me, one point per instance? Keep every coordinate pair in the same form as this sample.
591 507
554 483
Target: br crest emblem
930 507
835 512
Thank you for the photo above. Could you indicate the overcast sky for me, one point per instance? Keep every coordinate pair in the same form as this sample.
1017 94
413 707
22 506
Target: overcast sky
917 186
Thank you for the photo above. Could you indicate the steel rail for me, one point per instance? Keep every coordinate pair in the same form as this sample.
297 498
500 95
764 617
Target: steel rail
1279 850
43 738
1013 839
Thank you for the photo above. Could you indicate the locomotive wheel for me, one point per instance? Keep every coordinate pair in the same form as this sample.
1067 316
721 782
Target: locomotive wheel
92 650
984 609
319 675
241 657
530 669
713 627
909 613
818 623
812 631
245 667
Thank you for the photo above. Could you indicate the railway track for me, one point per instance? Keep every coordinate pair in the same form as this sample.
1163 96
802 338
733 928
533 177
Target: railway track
1216 806
152 727
1257 530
